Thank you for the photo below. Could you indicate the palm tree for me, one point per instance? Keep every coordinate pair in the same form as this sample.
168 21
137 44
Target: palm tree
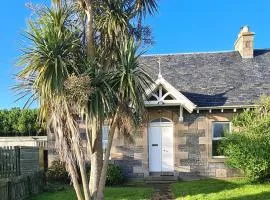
53 57
108 24
95 77
130 82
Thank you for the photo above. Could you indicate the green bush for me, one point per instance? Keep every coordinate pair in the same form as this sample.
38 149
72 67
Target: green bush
57 172
248 147
114 175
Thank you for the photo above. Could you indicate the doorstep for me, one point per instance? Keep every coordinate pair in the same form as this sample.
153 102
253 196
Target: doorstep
160 178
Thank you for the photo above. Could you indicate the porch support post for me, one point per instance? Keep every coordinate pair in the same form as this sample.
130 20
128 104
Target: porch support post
181 119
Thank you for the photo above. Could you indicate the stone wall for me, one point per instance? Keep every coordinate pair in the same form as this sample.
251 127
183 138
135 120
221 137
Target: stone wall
130 155
192 145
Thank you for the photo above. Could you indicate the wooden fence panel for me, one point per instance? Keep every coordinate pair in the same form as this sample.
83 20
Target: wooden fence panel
29 159
9 162
21 187
4 191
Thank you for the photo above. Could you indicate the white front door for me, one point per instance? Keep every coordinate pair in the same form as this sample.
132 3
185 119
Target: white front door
155 149
167 148
161 147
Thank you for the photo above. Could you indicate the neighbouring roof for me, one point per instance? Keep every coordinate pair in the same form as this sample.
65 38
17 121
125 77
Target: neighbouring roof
214 78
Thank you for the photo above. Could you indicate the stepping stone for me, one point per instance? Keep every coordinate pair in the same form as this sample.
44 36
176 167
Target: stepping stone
162 192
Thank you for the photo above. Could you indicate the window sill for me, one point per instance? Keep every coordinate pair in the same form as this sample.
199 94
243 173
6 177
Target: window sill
217 157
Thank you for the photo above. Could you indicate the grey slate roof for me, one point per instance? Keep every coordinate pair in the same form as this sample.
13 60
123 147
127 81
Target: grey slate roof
215 79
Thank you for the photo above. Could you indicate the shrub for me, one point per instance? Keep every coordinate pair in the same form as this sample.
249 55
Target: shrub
114 175
57 172
248 147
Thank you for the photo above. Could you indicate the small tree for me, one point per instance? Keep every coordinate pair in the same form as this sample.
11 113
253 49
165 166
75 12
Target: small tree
248 147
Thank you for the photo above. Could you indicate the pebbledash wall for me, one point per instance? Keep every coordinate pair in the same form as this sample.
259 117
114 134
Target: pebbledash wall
192 145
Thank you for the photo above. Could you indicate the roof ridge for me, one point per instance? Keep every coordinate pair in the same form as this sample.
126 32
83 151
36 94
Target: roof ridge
188 53
192 53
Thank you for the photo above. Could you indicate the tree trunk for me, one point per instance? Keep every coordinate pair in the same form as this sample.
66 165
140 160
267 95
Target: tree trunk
96 159
74 179
90 30
75 137
103 175
82 171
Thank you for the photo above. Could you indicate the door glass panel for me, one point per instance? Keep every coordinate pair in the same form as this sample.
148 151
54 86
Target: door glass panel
160 120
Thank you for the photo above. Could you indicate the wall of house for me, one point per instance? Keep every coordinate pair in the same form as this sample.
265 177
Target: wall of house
192 145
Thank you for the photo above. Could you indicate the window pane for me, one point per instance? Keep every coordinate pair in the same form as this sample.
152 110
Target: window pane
104 145
160 120
155 120
164 120
83 135
105 132
215 148
219 129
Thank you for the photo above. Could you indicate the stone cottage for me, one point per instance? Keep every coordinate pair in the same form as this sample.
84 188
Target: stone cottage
194 99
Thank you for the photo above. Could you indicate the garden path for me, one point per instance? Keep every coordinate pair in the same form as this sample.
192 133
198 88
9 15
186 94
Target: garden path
162 192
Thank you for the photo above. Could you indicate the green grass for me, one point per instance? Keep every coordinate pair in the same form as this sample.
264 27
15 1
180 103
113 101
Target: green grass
111 193
215 189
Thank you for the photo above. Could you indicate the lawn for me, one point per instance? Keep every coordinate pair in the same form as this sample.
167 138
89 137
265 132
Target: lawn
111 193
215 189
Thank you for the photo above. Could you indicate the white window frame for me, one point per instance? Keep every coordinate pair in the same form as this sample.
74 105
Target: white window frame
219 138
105 141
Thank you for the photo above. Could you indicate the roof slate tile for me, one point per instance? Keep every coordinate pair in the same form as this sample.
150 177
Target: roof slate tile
215 79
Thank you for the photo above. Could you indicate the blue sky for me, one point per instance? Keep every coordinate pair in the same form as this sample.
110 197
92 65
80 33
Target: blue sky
179 26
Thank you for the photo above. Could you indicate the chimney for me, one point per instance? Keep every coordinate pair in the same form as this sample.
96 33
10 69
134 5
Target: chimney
244 42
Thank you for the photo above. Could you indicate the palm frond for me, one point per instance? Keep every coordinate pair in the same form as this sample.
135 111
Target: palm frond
131 80
52 56
146 6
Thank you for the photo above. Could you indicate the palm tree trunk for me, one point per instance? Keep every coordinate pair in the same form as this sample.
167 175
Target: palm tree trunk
90 29
74 179
75 137
96 159
82 171
102 181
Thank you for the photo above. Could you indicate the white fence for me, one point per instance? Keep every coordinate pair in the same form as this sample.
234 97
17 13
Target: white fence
26 141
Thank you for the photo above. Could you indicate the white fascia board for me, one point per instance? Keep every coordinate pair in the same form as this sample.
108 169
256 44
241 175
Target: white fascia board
180 98
188 107
225 107
175 92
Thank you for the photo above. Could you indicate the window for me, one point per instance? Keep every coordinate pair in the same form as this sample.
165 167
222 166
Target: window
219 130
160 120
83 136
105 133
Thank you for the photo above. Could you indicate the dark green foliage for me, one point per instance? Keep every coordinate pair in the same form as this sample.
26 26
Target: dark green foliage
20 122
114 175
248 148
57 172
